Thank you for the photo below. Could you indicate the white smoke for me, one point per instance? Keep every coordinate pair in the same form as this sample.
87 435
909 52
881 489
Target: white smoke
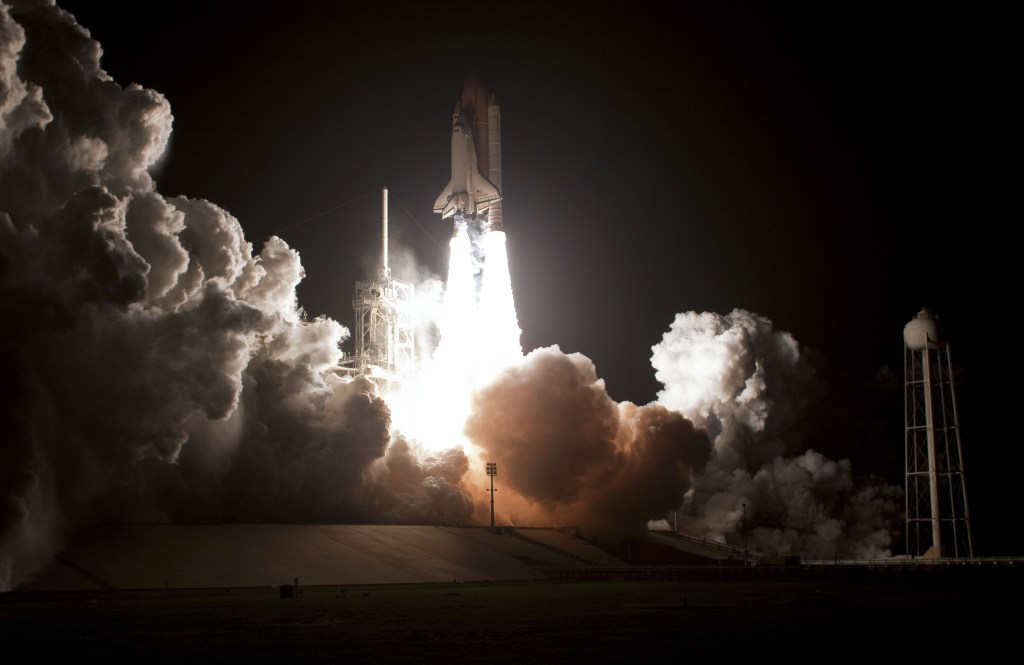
753 388
160 371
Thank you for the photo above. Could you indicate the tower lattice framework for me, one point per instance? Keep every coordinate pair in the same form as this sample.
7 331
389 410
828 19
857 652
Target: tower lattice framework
385 344
937 518
384 335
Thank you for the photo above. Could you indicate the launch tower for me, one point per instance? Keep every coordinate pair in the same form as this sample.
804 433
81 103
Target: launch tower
937 521
385 349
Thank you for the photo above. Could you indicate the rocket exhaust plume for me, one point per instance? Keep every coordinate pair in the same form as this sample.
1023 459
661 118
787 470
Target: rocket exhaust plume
157 370
478 327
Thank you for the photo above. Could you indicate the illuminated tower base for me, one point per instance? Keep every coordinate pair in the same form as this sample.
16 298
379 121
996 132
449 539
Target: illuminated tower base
384 336
385 347
937 520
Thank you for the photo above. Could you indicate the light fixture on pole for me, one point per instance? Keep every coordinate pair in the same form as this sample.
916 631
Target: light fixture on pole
492 471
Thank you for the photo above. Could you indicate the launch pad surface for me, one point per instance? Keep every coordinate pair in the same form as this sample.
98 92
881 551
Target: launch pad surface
250 555
236 556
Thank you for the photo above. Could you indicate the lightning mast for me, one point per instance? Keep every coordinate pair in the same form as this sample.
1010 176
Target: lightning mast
384 336
937 520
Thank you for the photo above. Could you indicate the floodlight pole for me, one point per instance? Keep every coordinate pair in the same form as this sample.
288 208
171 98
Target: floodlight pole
492 471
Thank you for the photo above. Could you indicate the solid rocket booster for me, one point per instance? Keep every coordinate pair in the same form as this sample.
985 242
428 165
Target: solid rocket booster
475 187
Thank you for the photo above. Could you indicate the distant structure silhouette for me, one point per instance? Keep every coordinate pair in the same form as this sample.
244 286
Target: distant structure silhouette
938 523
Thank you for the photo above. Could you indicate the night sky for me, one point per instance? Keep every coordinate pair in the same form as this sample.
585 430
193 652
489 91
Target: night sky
821 168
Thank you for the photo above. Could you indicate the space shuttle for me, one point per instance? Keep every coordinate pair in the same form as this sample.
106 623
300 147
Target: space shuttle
474 192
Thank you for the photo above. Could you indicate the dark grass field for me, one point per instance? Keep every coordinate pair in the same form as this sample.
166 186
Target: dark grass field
544 622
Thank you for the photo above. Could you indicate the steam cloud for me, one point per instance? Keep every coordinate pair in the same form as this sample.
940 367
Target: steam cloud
752 388
156 370
576 456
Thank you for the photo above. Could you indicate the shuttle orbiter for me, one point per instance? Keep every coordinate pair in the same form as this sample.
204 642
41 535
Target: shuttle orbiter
475 187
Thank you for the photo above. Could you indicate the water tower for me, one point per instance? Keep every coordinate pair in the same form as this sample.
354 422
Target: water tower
937 520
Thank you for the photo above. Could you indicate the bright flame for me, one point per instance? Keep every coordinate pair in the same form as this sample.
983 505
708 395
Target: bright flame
499 326
479 333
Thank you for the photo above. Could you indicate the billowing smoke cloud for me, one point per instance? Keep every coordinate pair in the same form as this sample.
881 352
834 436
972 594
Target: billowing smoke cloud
574 456
155 368
753 389
727 439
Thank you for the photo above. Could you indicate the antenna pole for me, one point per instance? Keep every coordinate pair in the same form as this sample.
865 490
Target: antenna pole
384 229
